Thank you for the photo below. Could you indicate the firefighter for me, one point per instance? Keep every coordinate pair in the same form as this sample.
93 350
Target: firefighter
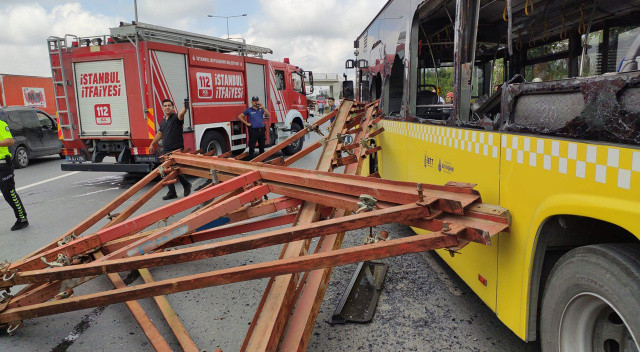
171 134
255 120
7 182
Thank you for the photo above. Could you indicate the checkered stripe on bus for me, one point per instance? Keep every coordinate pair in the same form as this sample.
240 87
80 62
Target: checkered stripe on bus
478 142
601 163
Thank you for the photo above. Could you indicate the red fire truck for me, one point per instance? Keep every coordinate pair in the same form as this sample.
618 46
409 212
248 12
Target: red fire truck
109 89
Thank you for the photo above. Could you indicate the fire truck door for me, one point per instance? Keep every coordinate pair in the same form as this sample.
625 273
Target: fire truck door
102 98
169 72
256 83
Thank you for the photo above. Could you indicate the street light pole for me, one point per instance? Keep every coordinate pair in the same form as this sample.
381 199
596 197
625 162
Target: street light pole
227 17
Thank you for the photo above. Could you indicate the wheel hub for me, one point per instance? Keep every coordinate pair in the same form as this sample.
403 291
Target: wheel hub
213 145
590 323
22 157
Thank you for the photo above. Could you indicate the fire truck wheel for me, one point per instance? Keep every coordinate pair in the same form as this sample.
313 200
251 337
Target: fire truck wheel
591 300
213 140
297 145
21 157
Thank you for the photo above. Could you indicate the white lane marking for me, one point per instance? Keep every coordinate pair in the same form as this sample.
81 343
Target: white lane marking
90 193
45 181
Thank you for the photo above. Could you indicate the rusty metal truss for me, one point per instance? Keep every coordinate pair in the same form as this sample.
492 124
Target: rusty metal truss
317 204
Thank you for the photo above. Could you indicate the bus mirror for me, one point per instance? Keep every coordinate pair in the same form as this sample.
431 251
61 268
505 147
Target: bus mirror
347 90
350 64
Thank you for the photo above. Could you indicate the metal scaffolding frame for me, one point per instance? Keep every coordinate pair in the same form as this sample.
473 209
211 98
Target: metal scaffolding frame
318 203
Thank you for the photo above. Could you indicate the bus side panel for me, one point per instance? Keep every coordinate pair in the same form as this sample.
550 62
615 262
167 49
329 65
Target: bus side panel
392 162
542 177
438 155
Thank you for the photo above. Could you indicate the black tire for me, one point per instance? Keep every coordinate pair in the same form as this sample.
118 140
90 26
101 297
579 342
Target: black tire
21 157
273 136
297 145
591 300
214 140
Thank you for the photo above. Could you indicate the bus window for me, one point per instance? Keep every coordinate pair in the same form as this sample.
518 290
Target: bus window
497 73
435 67
477 82
548 70
620 40
547 62
592 54
602 55
427 79
396 86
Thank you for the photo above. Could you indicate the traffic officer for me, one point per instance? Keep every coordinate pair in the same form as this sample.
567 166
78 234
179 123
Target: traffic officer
7 182
256 116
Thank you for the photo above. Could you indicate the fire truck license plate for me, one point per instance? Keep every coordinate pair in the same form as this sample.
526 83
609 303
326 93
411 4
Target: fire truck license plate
76 158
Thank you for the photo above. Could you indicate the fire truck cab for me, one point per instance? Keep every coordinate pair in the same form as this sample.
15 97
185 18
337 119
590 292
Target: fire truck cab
109 92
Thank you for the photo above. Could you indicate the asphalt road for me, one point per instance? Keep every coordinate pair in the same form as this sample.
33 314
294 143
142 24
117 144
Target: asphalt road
424 306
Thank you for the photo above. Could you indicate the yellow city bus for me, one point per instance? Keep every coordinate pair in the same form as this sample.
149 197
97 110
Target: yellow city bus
545 118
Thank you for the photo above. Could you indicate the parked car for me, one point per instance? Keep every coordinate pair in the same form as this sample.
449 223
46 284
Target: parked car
35 133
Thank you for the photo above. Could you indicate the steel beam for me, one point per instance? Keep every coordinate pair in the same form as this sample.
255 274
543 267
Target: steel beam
106 210
301 232
302 321
454 199
277 268
269 322
157 341
293 138
93 242
187 224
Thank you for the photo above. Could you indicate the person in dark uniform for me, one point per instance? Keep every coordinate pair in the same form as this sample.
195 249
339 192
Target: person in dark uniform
255 120
7 182
171 135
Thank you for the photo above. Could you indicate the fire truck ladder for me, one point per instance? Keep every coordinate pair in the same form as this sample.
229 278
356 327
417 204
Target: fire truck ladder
149 32
60 83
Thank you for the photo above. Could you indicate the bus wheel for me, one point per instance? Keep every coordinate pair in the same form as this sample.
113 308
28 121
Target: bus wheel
213 140
297 145
591 301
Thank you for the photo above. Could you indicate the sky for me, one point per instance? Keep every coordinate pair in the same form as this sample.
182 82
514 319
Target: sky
316 35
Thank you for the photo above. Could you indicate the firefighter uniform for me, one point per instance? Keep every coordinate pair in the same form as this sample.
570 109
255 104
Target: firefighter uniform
7 182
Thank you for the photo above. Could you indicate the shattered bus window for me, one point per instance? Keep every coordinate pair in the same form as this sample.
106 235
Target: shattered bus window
600 108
